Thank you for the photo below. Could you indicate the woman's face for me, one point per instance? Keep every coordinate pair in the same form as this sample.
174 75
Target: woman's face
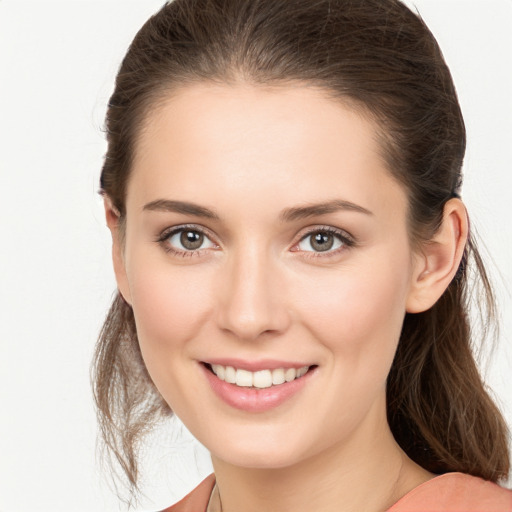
265 235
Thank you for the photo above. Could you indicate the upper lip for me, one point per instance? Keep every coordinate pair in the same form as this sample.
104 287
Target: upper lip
257 365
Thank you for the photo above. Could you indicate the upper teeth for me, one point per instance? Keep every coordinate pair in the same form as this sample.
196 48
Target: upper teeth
259 379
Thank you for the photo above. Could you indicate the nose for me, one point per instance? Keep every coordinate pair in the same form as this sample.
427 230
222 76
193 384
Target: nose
251 299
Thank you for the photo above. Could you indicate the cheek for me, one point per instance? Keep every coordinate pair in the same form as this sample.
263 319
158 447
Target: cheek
170 305
357 316
359 310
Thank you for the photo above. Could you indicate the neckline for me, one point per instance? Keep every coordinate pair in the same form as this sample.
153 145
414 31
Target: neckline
214 499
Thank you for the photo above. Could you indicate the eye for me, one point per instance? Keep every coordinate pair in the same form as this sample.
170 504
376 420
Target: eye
185 240
325 240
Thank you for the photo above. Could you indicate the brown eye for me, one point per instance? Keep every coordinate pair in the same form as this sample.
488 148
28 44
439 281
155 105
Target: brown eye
322 241
185 240
191 240
326 240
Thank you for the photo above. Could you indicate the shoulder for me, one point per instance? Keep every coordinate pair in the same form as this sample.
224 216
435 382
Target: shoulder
197 500
456 492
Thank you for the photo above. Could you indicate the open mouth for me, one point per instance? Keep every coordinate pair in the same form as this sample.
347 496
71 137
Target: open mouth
260 379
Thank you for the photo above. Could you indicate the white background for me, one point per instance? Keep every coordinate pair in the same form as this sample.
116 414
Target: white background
57 65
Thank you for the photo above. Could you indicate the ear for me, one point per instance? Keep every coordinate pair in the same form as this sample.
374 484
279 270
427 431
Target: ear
113 218
439 258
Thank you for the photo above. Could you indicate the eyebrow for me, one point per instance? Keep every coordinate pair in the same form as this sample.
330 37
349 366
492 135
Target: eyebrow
287 215
303 212
166 205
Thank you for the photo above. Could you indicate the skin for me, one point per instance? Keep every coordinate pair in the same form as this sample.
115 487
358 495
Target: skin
258 289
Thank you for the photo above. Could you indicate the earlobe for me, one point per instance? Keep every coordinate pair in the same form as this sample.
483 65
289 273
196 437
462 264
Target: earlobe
439 260
114 224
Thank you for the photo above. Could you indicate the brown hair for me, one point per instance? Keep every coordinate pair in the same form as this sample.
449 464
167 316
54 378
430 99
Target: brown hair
381 57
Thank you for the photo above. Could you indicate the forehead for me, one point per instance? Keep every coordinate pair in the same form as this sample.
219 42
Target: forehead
244 117
291 143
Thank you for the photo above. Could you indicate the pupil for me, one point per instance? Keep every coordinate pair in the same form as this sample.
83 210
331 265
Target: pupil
322 242
191 239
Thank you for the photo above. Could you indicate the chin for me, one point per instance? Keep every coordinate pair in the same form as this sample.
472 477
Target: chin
258 454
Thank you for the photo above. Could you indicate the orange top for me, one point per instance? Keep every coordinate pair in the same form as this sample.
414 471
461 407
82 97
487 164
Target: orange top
455 492
451 492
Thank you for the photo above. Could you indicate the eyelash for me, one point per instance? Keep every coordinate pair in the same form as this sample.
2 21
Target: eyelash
168 233
346 239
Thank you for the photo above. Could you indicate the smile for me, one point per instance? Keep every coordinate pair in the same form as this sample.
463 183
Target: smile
267 387
260 379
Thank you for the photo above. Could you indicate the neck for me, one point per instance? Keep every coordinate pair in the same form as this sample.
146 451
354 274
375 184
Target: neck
368 472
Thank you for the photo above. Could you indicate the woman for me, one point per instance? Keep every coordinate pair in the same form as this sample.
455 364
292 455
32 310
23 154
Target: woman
282 184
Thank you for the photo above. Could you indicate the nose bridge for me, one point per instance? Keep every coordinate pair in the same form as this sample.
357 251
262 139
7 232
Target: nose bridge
250 301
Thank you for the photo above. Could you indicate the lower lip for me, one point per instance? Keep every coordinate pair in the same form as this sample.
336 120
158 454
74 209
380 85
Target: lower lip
252 399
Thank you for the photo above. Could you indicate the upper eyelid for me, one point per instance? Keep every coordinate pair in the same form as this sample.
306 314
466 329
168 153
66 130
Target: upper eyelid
195 227
329 229
167 232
